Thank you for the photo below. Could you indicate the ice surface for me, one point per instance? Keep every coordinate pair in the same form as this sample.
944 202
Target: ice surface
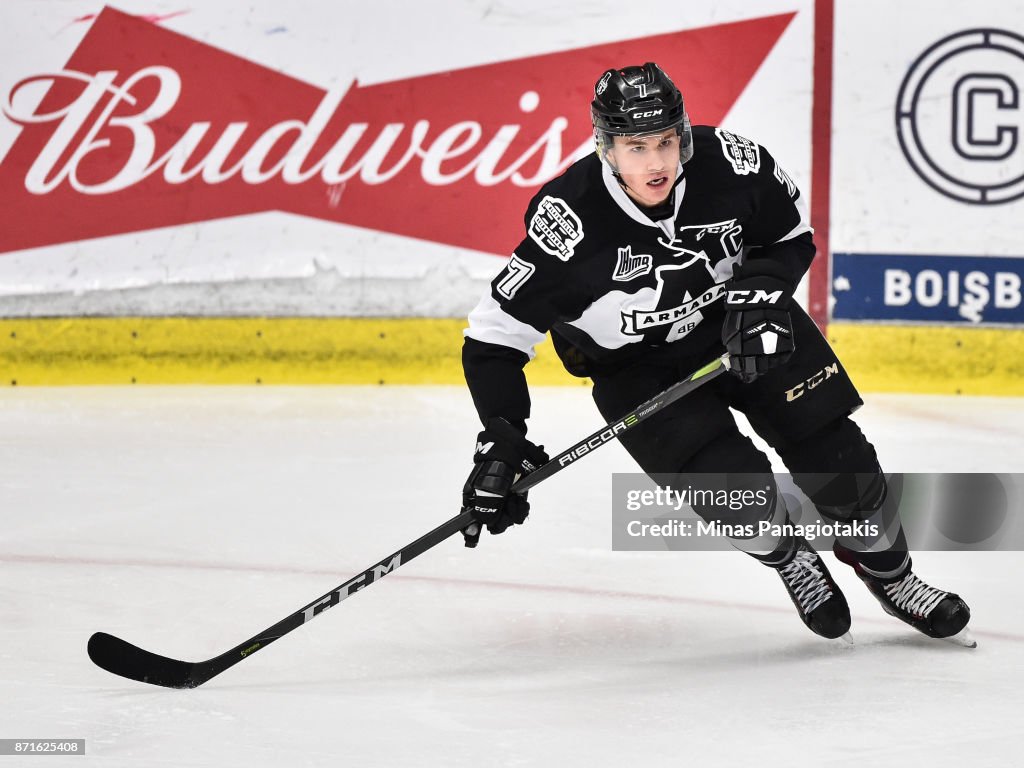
187 519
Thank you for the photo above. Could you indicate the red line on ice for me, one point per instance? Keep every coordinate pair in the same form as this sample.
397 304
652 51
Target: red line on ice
558 588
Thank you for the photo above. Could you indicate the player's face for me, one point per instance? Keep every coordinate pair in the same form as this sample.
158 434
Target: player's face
648 165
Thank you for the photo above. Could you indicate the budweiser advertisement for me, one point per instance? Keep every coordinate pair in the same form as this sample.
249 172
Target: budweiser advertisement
149 126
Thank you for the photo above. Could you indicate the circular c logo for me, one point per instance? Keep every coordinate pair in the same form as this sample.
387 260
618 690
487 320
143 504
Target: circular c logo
960 116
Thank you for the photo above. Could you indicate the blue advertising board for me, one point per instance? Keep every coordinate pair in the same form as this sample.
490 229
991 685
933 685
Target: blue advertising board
972 290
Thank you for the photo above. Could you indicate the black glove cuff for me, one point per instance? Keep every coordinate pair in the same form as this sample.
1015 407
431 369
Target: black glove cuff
500 441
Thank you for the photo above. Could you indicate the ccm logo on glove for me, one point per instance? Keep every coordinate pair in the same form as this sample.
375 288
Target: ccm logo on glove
751 298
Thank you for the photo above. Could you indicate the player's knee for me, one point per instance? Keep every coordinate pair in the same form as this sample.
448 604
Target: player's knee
846 495
838 470
730 466
728 452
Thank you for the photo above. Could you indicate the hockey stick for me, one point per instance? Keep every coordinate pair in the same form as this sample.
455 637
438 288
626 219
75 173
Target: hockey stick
127 660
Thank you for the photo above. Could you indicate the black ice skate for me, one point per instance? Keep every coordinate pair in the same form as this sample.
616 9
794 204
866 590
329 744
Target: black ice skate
818 599
929 610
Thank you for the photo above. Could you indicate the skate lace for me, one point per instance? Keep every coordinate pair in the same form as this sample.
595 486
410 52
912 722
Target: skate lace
913 595
806 581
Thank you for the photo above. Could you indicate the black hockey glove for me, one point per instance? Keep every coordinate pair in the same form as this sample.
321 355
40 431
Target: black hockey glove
758 332
502 456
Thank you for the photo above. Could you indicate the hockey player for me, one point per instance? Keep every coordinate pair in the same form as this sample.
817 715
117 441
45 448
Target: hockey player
643 260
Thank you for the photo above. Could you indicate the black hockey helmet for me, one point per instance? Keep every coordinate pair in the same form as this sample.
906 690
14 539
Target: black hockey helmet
638 100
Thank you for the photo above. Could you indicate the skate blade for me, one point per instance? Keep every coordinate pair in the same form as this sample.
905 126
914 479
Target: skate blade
847 639
964 638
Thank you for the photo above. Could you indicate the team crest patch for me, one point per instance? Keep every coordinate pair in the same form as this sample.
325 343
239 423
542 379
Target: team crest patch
556 228
744 154
629 266
684 290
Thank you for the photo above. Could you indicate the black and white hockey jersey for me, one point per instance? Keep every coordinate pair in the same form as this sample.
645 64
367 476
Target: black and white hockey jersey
611 283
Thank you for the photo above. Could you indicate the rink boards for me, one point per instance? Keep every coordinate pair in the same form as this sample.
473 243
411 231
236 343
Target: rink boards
141 350
332 206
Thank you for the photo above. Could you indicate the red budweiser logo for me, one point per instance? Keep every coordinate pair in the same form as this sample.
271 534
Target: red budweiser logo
146 128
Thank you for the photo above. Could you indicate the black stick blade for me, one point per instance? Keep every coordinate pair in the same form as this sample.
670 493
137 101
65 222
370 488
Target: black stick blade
122 658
